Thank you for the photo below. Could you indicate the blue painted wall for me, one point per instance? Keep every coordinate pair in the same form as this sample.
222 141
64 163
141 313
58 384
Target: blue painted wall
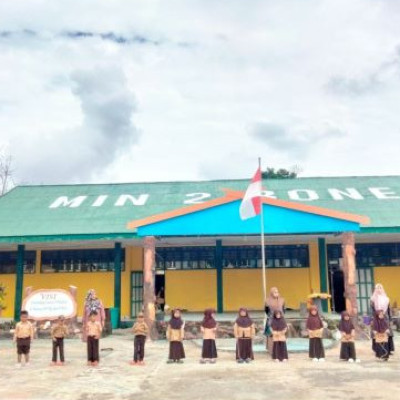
225 220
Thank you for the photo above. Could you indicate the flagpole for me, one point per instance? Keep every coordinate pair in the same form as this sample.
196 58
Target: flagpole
264 278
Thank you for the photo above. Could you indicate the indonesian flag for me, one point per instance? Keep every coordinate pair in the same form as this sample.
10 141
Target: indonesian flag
251 203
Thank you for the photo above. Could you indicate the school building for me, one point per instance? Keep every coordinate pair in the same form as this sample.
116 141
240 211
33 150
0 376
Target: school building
96 236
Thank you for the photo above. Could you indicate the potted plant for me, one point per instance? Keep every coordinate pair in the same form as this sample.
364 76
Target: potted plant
3 293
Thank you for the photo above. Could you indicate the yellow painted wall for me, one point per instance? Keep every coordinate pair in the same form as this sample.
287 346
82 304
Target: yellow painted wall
389 277
8 280
191 290
244 287
134 258
314 267
102 282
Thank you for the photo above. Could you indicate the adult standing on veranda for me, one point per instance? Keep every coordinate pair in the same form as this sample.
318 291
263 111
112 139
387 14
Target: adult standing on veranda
92 303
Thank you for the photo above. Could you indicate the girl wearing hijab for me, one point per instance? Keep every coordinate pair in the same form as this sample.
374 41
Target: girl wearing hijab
279 329
380 301
244 331
315 329
380 330
209 329
92 305
347 348
274 303
175 335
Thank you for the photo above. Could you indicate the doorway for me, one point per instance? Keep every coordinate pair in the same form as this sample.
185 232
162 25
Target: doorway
336 288
159 288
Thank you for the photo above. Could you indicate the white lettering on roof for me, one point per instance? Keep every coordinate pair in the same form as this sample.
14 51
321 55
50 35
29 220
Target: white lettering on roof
100 200
303 195
196 198
65 202
383 193
136 201
351 193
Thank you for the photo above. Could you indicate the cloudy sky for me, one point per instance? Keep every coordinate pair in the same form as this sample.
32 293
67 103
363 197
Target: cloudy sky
123 91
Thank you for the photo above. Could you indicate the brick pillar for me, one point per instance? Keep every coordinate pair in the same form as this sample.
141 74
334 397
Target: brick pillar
149 297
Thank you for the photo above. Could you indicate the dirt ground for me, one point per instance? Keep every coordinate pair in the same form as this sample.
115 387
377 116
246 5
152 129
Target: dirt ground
263 379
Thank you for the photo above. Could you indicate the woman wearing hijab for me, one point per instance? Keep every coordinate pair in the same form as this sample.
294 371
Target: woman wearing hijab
380 330
92 304
274 303
380 301
279 329
347 347
175 335
209 329
315 329
244 331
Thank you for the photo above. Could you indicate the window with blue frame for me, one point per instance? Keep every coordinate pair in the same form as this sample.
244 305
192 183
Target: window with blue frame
8 262
277 256
82 260
367 255
286 256
196 257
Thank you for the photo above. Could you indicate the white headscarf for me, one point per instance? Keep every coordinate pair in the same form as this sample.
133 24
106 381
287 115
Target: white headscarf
380 299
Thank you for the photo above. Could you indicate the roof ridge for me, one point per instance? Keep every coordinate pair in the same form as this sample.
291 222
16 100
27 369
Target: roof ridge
201 181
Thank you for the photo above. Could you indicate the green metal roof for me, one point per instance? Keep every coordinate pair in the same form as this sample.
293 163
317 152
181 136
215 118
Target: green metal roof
26 215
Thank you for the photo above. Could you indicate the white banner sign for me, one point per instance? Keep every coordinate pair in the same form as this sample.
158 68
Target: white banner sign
49 304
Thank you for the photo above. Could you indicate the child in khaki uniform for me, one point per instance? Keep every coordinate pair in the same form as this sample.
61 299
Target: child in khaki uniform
23 336
58 332
279 329
140 330
347 330
209 330
93 331
244 331
315 329
175 336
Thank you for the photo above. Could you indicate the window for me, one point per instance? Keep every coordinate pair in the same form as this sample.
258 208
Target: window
285 256
8 262
367 254
85 260
334 255
185 257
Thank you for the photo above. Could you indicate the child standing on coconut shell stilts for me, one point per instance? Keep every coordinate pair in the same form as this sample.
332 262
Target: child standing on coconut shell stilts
58 332
140 331
381 331
209 329
93 334
347 346
244 331
279 330
175 335
315 328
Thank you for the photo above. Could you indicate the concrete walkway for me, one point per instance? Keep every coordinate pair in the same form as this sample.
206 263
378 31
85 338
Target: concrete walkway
263 379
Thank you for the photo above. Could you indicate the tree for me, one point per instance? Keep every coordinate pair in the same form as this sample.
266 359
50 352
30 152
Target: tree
281 173
6 172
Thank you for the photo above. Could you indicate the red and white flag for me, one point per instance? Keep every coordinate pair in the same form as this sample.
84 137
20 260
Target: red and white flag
251 203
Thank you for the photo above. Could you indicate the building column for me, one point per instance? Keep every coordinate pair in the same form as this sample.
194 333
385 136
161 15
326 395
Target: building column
19 283
149 272
220 271
323 271
349 271
117 279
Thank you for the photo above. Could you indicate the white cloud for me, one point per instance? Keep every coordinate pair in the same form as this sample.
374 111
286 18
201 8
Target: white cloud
127 91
